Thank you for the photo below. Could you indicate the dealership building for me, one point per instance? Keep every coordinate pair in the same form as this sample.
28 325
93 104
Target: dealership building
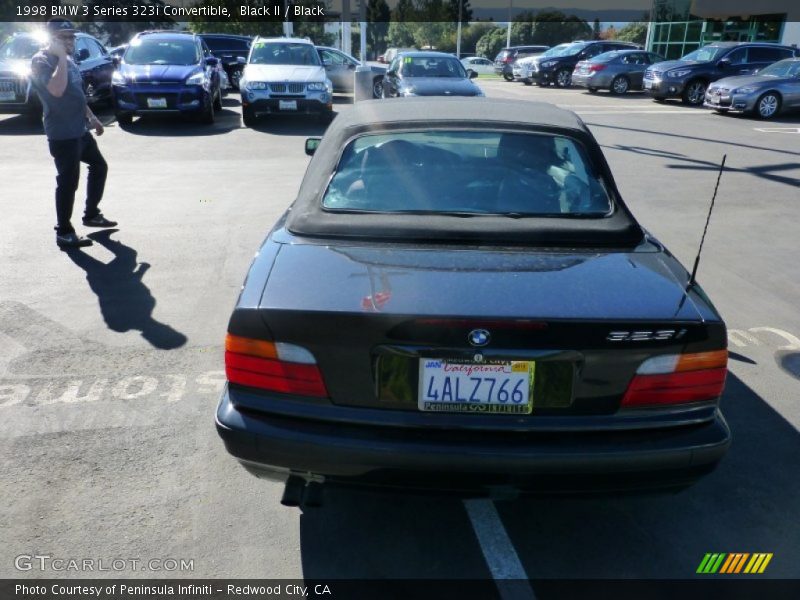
679 26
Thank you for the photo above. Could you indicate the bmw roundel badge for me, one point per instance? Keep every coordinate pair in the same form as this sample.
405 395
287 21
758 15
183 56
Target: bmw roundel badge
478 337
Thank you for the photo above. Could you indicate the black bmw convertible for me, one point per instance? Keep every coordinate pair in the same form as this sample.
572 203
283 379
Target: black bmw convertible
459 299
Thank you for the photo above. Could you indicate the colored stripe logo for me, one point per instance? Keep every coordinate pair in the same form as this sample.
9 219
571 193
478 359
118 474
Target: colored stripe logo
733 563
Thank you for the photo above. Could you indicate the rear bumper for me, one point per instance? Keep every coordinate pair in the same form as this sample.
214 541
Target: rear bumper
597 80
274 446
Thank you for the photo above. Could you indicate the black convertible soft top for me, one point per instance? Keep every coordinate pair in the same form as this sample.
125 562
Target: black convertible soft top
309 218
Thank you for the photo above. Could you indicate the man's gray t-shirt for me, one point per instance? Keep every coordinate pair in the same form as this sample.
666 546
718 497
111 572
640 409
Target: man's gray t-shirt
64 117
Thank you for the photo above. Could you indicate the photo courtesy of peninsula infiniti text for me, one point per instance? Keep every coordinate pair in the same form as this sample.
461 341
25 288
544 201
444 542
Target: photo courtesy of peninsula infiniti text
460 299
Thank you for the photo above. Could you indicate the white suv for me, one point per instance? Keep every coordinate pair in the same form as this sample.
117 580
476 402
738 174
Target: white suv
284 75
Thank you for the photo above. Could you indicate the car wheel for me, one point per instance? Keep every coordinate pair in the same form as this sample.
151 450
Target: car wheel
207 116
768 105
620 85
249 118
508 77
377 88
592 90
124 118
564 78
218 101
695 93
234 79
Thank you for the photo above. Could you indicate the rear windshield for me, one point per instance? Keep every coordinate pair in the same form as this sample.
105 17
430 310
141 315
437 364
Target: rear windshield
467 172
281 53
413 66
783 68
162 52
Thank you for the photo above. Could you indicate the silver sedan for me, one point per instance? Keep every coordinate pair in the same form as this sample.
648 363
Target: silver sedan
765 94
618 71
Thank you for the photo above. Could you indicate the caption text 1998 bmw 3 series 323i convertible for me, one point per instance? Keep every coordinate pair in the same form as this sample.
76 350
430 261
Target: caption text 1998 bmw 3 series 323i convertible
459 299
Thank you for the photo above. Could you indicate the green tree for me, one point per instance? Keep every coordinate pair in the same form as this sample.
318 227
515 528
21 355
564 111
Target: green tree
401 34
470 34
236 25
490 44
551 28
378 17
633 32
596 29
119 32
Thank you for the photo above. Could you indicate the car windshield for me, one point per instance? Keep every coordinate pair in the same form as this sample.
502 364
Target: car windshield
282 53
19 47
563 50
413 66
467 172
782 68
706 54
162 52
606 56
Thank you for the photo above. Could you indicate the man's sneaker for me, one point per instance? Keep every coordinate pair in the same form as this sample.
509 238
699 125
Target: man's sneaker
71 240
99 221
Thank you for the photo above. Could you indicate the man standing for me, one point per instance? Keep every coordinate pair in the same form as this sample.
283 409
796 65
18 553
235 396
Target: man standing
67 120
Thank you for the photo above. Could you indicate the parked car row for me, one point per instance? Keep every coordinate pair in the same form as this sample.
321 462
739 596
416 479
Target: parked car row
188 74
752 77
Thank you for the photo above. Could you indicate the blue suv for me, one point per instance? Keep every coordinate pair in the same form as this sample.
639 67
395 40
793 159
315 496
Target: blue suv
167 72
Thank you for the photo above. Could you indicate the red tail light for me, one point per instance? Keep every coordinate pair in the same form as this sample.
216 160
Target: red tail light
678 379
265 365
594 68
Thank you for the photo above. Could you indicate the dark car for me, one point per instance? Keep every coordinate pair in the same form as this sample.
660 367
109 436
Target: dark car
428 74
505 59
460 298
774 89
618 71
688 78
165 72
16 94
340 68
231 50
557 64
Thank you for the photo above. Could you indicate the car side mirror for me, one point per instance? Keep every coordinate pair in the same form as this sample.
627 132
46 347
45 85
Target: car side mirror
116 60
472 74
724 63
212 61
351 66
82 55
326 62
312 144
391 73
241 60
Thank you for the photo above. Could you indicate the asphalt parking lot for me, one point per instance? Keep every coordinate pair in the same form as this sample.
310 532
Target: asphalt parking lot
111 364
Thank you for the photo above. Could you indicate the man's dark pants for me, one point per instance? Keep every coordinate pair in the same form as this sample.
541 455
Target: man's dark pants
68 155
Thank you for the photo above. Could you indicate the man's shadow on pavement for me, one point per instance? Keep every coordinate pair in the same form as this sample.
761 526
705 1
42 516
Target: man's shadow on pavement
125 302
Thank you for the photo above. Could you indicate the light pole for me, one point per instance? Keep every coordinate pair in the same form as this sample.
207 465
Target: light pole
508 33
458 35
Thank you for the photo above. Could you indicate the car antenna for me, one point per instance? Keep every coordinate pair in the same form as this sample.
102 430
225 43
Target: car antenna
708 219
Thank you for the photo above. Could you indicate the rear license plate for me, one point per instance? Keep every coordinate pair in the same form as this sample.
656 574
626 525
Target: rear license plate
648 84
461 386
287 104
7 96
156 103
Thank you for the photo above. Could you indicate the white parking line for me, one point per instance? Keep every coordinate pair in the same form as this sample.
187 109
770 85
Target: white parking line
641 112
498 551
